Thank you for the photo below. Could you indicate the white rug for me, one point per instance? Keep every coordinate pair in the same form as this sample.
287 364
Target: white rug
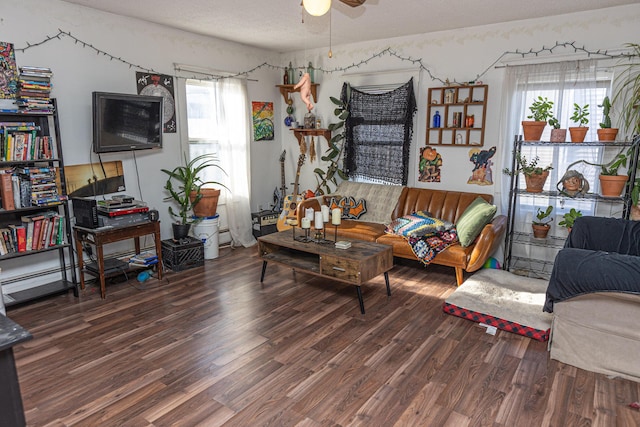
507 301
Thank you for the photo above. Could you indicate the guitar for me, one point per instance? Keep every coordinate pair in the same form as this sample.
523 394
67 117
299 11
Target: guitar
278 193
291 201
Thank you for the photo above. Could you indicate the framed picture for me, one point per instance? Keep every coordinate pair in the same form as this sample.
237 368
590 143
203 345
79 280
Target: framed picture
94 180
262 115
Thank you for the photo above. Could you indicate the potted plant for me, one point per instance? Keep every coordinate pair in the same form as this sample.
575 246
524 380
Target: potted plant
541 225
333 155
581 117
569 217
557 134
606 132
612 184
185 188
627 95
540 113
535 176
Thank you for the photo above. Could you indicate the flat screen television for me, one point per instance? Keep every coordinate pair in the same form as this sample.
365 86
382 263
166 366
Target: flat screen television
124 122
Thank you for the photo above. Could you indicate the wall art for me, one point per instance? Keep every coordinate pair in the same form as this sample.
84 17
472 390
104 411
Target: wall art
262 116
160 85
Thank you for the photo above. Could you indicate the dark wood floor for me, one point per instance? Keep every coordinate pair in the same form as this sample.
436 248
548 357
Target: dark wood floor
210 346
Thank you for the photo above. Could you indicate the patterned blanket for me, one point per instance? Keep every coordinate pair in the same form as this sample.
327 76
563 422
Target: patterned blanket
427 235
427 247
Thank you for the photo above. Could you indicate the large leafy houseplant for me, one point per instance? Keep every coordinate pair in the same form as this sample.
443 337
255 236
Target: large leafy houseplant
184 181
333 155
627 92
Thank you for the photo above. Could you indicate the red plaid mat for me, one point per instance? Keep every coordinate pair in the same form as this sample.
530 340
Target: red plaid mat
503 324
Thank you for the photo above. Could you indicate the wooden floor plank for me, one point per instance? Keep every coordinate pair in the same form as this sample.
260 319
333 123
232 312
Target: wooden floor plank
212 346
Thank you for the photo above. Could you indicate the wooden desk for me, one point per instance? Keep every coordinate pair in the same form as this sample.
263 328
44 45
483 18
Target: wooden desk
101 236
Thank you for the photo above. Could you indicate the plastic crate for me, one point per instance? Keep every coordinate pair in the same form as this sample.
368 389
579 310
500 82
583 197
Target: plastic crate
181 256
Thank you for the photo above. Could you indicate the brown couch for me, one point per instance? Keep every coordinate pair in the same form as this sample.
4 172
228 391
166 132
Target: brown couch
446 205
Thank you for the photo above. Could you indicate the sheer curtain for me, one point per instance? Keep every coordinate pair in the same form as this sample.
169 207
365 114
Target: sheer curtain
219 120
233 117
565 83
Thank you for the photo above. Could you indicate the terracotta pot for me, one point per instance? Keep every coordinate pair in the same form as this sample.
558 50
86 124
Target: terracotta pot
612 185
532 130
207 206
536 182
540 231
635 213
607 135
558 135
578 133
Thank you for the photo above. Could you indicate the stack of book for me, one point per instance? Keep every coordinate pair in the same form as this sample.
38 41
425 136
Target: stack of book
37 231
34 89
38 186
144 259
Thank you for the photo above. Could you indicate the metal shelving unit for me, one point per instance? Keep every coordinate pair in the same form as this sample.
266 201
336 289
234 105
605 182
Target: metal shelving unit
535 265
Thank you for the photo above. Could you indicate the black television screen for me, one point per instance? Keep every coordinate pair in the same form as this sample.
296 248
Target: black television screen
123 122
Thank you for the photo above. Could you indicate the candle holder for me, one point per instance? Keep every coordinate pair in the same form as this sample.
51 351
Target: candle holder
335 232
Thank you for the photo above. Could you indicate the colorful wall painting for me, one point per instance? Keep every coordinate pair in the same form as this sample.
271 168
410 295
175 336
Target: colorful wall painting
482 173
429 166
8 71
262 115
160 85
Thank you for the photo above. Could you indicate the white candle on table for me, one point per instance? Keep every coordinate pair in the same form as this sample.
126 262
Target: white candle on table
325 213
336 216
306 222
308 213
319 224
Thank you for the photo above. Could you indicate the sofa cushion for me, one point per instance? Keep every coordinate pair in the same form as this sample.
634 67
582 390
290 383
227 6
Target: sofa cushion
349 207
478 214
361 230
417 224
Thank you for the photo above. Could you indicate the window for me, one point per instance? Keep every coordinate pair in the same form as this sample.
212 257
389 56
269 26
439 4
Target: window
564 83
218 123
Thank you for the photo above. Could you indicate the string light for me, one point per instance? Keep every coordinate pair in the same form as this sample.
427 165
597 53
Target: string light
387 51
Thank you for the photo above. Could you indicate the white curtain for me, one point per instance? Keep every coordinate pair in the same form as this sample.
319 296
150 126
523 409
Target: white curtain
233 118
565 83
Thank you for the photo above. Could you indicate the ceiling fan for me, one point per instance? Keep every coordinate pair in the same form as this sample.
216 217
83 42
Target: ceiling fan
320 7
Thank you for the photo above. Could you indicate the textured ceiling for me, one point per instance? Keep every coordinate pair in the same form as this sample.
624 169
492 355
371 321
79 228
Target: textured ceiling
276 24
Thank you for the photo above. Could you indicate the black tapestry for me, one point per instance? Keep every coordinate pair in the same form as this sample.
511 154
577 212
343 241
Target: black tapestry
378 134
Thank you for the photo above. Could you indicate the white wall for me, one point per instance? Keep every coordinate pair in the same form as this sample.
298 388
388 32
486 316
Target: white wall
78 71
458 55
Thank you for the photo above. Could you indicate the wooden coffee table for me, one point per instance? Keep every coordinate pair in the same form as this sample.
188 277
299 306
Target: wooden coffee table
356 265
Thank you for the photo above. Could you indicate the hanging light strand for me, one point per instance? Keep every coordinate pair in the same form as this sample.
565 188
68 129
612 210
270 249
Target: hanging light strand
388 51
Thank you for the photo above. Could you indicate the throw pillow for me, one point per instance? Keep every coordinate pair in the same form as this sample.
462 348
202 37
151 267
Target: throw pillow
350 209
478 214
418 224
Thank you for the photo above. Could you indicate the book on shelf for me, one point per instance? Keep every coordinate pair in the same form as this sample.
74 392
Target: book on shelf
6 190
15 188
19 235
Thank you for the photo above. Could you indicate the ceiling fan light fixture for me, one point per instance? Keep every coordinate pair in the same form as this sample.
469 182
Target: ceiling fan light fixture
316 7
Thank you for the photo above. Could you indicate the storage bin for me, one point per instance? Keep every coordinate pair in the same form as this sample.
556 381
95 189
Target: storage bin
180 257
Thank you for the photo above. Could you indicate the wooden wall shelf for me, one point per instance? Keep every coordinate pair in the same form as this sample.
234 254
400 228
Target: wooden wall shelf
286 90
300 133
463 100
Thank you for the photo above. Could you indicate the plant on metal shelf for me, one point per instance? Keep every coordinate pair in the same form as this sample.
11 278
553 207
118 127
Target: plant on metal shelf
541 225
535 176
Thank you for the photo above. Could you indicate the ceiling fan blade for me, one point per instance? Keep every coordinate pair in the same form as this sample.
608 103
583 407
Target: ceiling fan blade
353 3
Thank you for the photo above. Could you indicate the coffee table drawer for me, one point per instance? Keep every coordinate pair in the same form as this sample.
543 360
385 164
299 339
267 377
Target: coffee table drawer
340 268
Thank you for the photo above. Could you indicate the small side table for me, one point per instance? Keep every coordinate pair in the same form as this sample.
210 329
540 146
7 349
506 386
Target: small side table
103 235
